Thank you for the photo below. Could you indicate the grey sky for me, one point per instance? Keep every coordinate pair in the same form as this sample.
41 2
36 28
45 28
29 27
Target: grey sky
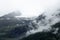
28 8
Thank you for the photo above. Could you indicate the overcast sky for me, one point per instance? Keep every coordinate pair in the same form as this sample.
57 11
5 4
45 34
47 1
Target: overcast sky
28 8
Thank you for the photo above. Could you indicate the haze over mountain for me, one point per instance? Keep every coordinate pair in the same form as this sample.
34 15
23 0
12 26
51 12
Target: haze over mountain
12 28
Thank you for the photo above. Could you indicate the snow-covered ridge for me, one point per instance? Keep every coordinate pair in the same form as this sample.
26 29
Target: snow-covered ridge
27 26
44 21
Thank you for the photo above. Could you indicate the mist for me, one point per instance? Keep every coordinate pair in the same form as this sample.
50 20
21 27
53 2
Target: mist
28 8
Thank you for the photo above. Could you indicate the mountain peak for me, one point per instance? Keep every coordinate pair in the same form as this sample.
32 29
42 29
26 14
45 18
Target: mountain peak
12 14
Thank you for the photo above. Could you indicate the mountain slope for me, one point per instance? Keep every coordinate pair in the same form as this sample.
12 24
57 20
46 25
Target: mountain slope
37 28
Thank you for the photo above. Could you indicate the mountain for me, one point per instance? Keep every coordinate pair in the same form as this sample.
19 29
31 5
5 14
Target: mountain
12 27
44 27
48 27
